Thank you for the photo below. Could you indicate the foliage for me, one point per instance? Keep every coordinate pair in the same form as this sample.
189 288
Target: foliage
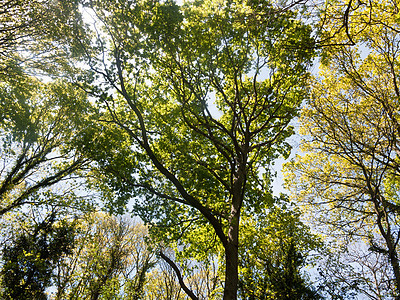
38 121
37 36
182 110
37 127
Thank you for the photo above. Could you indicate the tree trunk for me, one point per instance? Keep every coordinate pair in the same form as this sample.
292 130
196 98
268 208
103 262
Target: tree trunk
396 269
382 220
394 261
232 260
231 272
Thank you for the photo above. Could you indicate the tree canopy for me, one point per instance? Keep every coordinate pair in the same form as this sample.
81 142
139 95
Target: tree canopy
175 113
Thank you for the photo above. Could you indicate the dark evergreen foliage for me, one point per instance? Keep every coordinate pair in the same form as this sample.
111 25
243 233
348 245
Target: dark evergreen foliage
31 256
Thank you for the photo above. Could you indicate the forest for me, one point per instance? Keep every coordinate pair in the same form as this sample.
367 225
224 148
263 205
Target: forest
141 144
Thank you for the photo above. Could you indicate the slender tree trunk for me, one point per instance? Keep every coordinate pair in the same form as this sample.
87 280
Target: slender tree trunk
179 275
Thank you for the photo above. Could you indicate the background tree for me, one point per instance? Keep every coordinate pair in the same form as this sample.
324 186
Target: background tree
110 260
38 120
350 173
278 245
29 258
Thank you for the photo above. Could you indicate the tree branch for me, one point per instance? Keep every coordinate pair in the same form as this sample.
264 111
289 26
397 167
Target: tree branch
179 275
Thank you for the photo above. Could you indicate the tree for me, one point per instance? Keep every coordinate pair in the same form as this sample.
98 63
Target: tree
350 173
277 248
29 259
163 285
110 260
193 170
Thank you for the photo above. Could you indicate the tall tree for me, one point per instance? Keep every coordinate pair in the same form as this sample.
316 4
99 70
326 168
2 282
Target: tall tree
198 102
350 173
